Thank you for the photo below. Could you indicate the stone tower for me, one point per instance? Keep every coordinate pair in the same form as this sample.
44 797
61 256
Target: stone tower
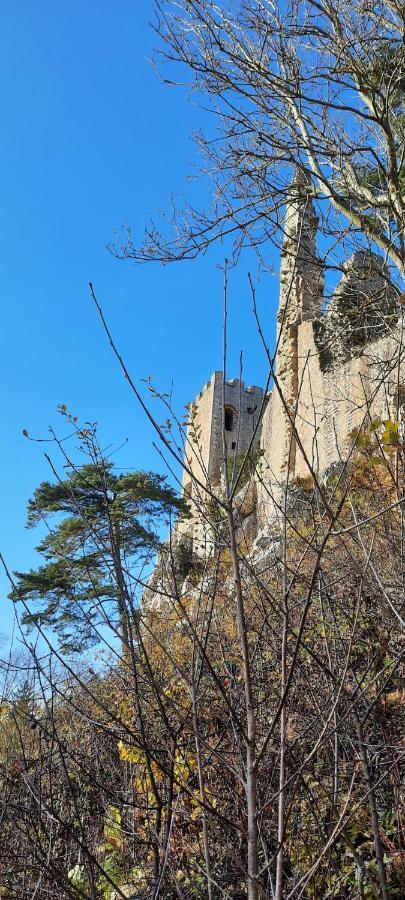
229 411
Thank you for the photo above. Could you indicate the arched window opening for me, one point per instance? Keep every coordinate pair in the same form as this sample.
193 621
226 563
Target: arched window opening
229 418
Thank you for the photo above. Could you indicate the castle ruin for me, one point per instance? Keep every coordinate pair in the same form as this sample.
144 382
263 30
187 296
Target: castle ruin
335 370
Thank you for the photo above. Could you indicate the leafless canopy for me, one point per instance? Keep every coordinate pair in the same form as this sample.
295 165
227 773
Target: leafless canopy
314 84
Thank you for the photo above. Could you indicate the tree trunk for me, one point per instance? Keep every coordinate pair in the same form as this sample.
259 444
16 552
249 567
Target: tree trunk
379 855
251 778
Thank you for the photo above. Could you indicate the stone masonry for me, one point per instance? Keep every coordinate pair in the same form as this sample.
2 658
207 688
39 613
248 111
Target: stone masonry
223 411
334 371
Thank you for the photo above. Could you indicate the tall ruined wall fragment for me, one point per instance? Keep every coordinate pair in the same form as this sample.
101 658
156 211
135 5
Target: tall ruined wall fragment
334 370
301 298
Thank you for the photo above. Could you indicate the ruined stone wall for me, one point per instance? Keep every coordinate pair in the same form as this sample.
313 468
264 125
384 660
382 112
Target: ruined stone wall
301 299
342 397
331 403
333 369
198 439
197 456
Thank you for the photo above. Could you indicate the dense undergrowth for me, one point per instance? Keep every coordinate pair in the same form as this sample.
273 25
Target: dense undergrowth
131 782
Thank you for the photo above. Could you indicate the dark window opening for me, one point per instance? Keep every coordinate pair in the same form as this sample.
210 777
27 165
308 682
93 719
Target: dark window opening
233 445
229 418
187 489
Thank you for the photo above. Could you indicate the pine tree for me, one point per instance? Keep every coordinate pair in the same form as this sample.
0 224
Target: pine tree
100 525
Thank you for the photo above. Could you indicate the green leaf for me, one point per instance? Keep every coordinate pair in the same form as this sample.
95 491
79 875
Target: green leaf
390 434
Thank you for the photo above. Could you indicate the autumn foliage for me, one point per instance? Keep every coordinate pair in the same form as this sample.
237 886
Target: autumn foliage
131 782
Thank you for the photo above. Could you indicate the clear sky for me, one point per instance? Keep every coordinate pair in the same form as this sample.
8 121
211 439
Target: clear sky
89 136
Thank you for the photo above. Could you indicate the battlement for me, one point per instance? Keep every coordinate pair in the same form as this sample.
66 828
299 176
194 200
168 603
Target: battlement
229 383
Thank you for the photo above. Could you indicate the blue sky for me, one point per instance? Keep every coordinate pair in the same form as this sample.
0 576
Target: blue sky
90 136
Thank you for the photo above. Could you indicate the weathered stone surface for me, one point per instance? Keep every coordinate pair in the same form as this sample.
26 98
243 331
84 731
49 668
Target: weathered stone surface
247 531
334 371
236 406
246 500
363 309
